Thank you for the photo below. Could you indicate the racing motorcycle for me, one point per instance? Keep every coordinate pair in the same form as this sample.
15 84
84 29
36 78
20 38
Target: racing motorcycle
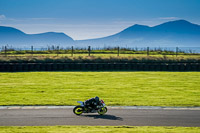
101 109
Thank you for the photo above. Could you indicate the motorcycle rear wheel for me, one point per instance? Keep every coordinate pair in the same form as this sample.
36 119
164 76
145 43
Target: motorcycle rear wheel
78 110
102 111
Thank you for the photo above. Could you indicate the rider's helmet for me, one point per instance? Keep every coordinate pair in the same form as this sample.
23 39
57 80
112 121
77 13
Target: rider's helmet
96 98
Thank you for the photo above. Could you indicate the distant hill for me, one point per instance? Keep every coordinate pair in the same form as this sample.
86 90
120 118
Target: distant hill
170 34
179 33
16 38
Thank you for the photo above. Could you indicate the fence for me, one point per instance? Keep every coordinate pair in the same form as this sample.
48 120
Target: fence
71 51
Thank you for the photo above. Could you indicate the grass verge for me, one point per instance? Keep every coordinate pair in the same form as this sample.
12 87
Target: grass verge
99 59
115 88
100 129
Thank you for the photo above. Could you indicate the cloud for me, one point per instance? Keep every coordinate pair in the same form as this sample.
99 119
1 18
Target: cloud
2 17
24 20
168 18
41 18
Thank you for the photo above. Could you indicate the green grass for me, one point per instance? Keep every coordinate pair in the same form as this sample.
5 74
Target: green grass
116 88
99 129
99 55
97 51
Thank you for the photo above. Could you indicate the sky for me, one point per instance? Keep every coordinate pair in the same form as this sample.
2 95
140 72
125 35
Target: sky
87 19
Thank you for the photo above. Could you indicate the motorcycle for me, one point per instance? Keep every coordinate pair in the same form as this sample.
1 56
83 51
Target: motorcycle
101 109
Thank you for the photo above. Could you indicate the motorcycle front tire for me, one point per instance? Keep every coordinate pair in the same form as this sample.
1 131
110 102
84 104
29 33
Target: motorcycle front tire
102 111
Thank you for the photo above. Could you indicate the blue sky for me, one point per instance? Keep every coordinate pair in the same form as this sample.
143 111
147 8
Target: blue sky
84 19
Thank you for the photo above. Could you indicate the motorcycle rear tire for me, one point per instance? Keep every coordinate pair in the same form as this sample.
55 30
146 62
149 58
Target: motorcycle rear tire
78 110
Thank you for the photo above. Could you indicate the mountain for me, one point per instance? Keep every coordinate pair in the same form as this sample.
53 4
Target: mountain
16 38
179 33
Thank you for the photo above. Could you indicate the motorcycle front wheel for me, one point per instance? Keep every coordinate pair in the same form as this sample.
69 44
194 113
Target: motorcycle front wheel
102 111
78 110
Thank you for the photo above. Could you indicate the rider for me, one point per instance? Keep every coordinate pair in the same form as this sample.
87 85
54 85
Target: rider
92 102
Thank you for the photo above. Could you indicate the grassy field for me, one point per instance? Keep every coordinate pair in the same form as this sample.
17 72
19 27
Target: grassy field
99 129
116 88
98 55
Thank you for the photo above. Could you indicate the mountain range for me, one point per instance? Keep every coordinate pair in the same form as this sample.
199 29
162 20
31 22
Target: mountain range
179 33
16 38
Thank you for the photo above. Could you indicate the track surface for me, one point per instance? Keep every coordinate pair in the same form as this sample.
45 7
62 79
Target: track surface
132 117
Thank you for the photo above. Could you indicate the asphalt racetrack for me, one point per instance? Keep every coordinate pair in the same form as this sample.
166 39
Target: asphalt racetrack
114 117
